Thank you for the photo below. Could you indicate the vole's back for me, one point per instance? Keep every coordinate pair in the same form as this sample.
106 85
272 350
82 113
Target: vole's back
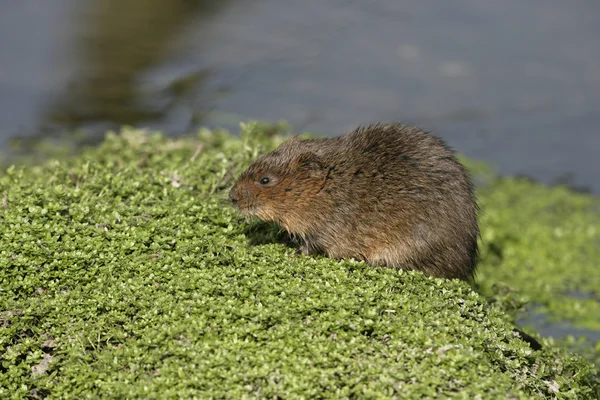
401 199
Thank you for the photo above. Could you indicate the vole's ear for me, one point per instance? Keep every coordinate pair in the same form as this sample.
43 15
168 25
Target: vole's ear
312 162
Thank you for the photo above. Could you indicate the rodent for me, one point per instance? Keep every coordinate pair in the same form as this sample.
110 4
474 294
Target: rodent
390 194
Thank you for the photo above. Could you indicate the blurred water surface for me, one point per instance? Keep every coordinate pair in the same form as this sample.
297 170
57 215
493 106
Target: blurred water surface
514 83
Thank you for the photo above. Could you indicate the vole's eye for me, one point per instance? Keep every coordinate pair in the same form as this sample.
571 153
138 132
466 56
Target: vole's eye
264 180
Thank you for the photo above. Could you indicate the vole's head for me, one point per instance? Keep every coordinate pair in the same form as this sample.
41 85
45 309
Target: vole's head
281 186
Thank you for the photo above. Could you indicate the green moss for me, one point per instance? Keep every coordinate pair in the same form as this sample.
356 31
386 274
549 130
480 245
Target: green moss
541 245
126 274
546 242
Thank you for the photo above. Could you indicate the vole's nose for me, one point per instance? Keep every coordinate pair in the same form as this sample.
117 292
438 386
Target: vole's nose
234 196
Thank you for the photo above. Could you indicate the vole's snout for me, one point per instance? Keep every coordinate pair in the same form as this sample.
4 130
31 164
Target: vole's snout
234 196
238 195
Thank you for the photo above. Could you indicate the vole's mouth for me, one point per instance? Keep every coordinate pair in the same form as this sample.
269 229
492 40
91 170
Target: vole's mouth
251 210
246 209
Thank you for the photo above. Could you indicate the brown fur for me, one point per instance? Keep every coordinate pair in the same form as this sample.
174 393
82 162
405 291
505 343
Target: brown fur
389 194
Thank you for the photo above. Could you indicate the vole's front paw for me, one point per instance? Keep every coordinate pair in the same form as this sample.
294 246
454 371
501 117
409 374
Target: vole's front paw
304 250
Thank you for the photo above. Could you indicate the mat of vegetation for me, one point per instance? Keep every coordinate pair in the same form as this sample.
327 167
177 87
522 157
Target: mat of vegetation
541 245
124 273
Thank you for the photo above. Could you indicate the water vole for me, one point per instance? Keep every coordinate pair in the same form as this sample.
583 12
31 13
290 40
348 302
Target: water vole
389 194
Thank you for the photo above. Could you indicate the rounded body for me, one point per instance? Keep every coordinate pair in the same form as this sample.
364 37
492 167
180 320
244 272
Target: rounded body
389 194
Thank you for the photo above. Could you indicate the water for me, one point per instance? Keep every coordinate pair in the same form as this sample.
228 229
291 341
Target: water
515 84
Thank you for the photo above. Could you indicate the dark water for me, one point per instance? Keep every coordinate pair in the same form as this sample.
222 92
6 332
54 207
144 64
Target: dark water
557 329
514 83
